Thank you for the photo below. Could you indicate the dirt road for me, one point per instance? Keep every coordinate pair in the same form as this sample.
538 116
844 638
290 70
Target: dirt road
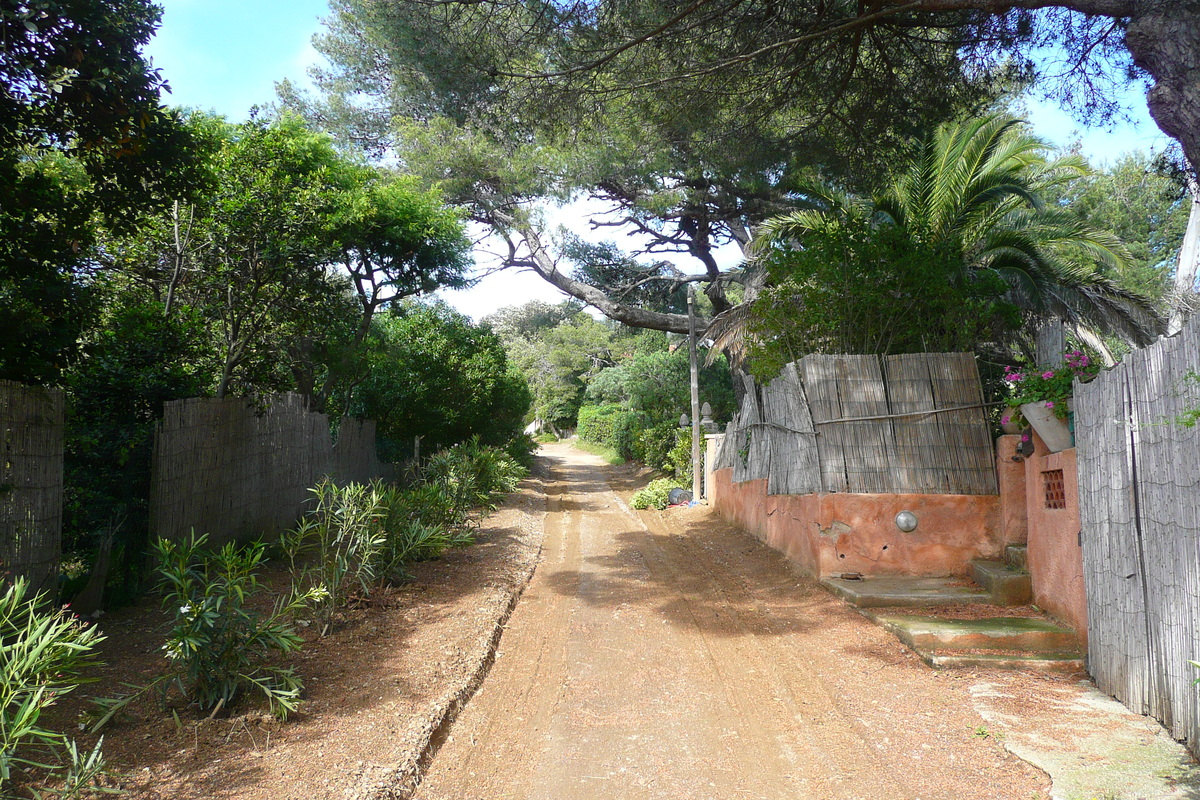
667 655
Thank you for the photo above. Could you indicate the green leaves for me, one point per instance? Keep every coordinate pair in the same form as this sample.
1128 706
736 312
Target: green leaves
435 374
43 653
218 645
947 258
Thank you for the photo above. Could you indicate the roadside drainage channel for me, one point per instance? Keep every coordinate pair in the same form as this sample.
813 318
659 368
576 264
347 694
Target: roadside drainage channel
406 777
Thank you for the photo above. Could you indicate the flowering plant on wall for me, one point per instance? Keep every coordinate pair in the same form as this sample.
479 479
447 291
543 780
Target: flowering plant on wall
1047 387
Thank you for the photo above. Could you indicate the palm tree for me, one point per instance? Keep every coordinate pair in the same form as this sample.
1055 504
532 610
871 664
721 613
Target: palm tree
977 187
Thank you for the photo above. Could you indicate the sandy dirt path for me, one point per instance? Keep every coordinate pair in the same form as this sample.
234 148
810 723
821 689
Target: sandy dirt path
668 655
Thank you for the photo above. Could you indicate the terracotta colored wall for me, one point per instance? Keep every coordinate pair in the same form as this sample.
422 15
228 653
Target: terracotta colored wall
835 533
1054 556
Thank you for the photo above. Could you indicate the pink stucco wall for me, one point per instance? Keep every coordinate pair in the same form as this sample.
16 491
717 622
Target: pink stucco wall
834 533
1055 558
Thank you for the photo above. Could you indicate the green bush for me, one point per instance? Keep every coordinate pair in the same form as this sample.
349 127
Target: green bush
476 476
521 449
596 423
43 654
656 445
360 537
345 531
654 495
218 645
679 460
612 426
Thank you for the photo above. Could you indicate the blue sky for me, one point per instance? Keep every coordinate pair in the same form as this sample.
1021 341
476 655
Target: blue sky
227 55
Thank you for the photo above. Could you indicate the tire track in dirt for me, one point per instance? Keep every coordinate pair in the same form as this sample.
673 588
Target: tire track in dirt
648 660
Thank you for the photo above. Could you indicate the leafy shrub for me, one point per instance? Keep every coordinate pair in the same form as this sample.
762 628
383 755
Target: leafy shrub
679 460
596 423
656 445
218 645
612 426
44 651
654 495
360 537
475 475
345 531
521 449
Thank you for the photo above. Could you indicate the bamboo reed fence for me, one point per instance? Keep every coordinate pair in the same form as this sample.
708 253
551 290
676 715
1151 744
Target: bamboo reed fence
1139 498
861 423
31 483
232 469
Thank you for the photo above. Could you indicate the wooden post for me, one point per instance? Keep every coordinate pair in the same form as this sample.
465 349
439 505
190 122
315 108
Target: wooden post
1051 342
695 380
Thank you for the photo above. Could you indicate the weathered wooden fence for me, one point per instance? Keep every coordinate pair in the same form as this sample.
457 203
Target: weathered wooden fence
1139 498
31 482
231 469
862 423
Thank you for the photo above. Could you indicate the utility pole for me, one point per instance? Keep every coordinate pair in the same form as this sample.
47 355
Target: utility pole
696 465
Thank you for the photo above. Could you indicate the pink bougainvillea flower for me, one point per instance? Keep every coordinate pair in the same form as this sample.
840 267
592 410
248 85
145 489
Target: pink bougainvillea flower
1005 420
1049 404
1048 374
1025 437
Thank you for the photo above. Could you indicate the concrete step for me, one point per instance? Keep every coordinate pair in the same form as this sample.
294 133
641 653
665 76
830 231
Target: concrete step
1057 663
1007 586
1015 556
905 592
1027 634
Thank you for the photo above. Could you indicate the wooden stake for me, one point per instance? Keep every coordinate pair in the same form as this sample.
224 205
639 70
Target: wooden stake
696 465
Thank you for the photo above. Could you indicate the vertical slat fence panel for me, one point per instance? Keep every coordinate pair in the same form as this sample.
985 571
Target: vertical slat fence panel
966 448
31 483
752 453
795 463
819 376
1139 473
1118 652
229 469
918 439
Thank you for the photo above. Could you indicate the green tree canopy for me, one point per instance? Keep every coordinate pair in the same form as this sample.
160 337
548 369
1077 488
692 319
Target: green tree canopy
686 169
963 224
557 349
82 139
290 236
1143 203
435 374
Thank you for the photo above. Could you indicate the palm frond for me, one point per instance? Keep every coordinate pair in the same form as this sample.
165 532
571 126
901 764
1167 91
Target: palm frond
730 333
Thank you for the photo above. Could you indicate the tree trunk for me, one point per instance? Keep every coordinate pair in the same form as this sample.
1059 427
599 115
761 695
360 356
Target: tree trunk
1189 263
1164 38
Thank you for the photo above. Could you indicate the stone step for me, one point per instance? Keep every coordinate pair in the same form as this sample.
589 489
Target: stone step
1057 663
1015 556
905 592
1028 634
1007 586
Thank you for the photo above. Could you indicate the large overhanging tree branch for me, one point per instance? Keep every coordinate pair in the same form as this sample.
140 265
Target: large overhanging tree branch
694 165
539 259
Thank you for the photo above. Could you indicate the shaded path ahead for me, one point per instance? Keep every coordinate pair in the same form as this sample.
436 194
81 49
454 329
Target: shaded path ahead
671 656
